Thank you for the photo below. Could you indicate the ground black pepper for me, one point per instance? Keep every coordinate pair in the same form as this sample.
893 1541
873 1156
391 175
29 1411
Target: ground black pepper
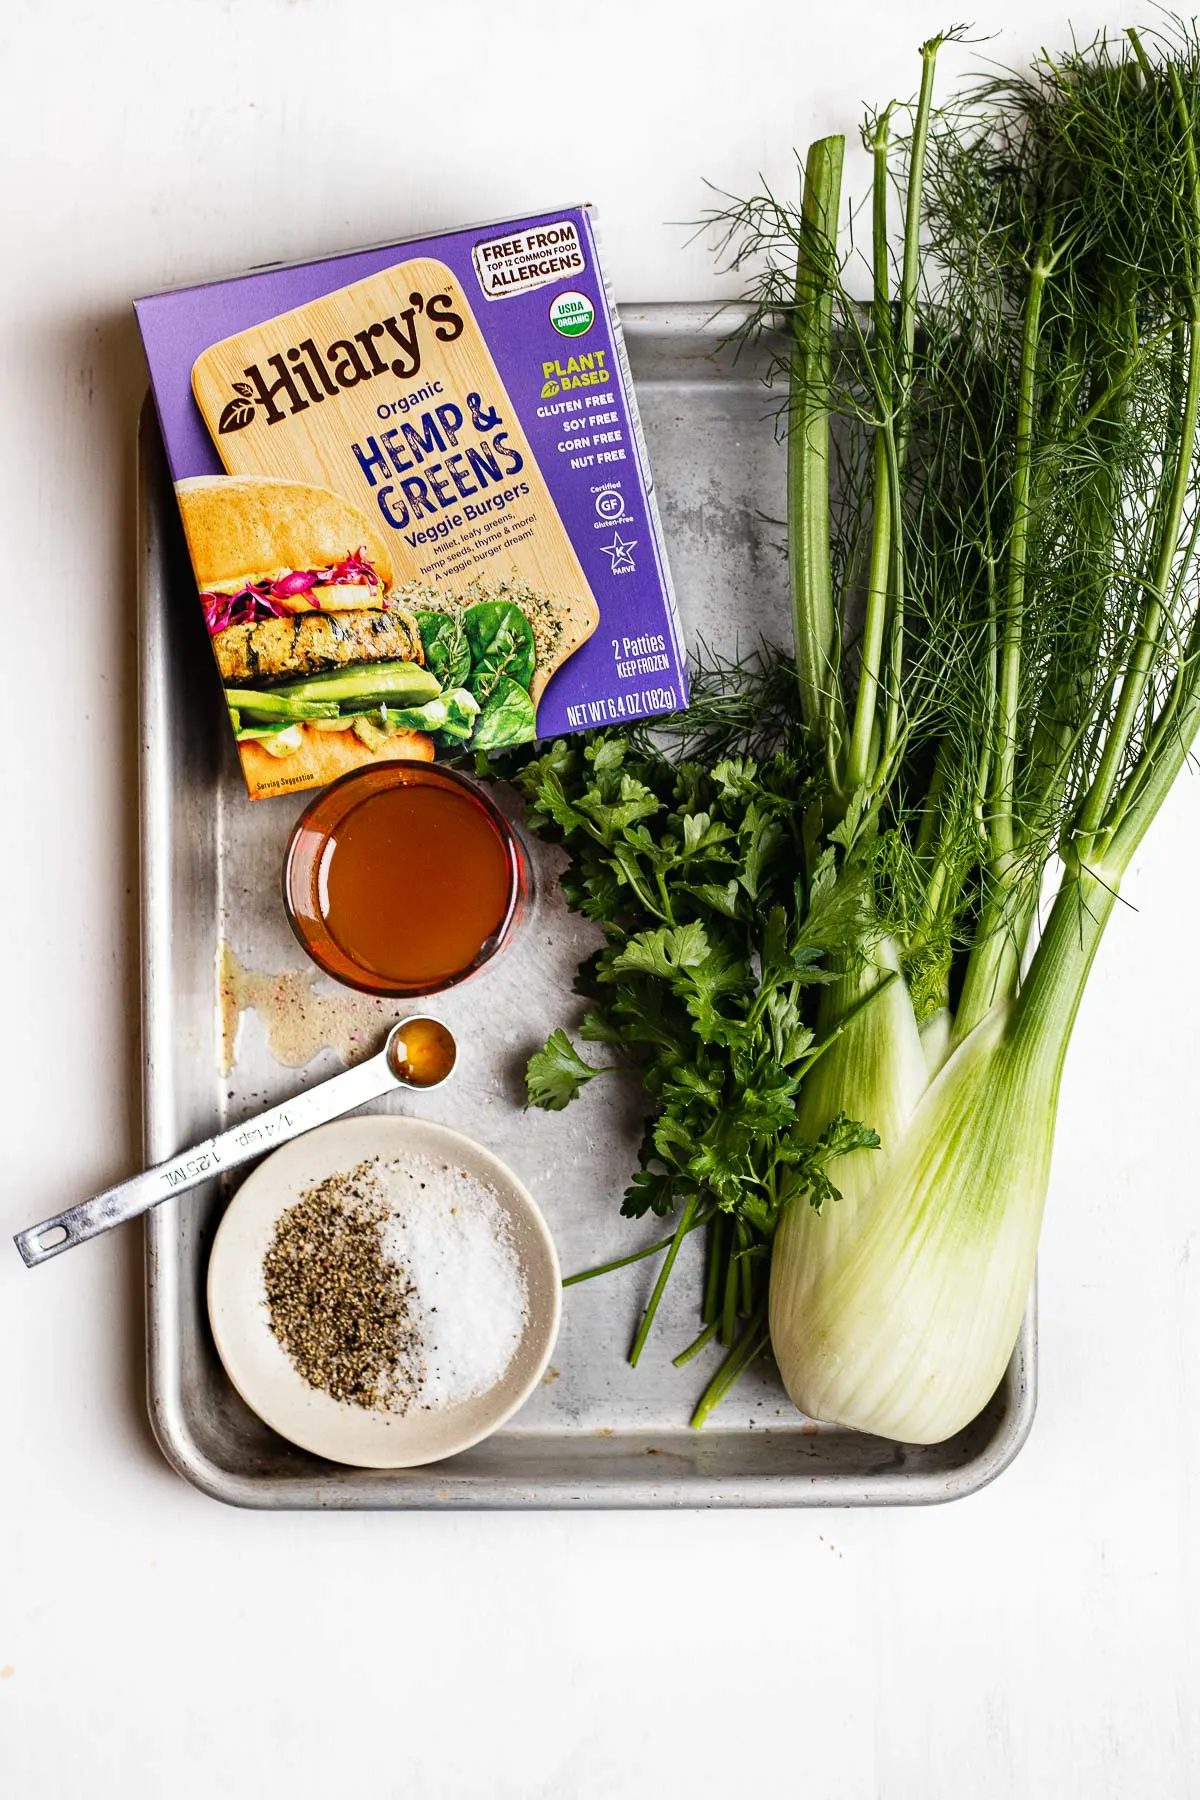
338 1307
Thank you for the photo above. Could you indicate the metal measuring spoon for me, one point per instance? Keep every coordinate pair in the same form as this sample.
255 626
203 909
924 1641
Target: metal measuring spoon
419 1053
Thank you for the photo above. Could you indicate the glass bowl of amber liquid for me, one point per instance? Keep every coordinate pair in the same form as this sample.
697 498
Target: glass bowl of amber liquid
404 879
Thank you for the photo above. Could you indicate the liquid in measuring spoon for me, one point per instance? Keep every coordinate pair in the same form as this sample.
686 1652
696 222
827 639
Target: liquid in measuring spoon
424 1052
415 882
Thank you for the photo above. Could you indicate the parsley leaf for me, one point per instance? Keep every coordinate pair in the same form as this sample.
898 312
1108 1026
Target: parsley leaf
664 952
557 1073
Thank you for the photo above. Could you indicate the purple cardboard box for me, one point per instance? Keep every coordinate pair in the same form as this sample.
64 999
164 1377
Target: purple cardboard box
417 499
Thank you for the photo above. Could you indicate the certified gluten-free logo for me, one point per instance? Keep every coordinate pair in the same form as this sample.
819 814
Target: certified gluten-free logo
572 313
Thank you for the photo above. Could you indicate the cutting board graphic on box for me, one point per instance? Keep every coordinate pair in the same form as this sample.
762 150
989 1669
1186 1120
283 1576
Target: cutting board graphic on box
386 393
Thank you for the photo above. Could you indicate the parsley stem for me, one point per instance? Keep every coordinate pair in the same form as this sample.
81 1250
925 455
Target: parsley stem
745 1273
620 1263
729 1309
753 1340
711 1312
697 1344
681 1230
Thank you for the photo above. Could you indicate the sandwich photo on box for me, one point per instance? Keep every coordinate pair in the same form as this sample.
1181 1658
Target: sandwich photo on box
321 666
326 665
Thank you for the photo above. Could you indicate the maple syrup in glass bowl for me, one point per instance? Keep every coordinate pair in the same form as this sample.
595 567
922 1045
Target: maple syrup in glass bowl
404 879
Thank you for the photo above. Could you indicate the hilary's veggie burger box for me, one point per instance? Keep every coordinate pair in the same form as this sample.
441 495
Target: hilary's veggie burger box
416 499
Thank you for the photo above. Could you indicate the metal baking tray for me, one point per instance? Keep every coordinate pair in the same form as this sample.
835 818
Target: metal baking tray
596 1433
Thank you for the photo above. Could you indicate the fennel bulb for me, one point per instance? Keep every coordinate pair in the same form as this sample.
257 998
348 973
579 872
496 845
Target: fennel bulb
923 1283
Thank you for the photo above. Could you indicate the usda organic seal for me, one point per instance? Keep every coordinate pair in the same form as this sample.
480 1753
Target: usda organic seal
572 313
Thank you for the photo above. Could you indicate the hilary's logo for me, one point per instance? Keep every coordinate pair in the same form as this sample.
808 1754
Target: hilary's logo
304 375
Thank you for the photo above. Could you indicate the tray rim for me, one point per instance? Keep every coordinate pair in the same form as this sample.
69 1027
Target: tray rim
439 1487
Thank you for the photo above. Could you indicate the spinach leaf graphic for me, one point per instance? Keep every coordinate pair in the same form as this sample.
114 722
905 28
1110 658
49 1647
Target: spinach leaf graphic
502 647
508 717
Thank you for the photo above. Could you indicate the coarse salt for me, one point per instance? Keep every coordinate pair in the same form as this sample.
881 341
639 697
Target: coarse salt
451 1236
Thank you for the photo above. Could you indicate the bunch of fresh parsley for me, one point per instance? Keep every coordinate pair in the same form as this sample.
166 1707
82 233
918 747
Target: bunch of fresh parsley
717 911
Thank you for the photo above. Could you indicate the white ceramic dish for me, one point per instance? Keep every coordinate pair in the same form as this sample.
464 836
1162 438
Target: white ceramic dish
260 1370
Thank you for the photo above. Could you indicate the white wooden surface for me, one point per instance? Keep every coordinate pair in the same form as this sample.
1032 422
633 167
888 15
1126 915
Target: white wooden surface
1038 1640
